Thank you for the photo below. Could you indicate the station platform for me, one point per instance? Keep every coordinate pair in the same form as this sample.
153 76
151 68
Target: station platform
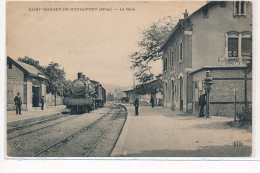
33 115
160 132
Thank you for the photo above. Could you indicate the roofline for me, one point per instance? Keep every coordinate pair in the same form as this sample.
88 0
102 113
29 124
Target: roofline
24 70
128 90
217 68
183 20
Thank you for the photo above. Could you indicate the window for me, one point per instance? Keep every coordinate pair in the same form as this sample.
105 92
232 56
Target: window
233 47
239 8
165 63
10 66
246 46
172 57
222 4
239 44
181 52
206 13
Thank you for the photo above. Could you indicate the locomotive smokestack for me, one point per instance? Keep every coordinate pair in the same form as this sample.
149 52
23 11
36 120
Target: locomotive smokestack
79 75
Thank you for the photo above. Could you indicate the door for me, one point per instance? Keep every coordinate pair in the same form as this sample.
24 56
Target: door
35 96
181 93
172 101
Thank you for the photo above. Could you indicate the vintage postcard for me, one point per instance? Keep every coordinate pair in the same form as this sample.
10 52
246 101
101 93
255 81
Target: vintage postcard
129 79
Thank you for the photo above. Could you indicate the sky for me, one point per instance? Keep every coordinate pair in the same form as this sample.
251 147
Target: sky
96 43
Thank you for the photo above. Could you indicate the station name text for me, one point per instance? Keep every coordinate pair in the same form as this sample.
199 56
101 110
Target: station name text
80 9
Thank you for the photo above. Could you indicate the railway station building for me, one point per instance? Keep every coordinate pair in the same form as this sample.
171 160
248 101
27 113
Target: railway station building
216 38
28 81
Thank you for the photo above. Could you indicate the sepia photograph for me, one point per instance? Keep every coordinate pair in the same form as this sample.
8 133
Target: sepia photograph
124 79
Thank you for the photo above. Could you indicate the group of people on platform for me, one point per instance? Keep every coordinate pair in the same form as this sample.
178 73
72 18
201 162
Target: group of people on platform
18 103
136 104
202 104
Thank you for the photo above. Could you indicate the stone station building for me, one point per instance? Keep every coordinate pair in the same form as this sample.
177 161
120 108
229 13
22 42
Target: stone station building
217 37
28 81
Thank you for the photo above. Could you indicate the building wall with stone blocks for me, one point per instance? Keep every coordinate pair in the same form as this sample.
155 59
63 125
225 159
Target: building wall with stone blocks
226 83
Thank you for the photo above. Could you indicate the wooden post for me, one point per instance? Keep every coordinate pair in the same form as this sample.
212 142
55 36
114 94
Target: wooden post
235 105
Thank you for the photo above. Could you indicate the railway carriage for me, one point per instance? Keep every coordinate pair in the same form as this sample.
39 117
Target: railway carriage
85 96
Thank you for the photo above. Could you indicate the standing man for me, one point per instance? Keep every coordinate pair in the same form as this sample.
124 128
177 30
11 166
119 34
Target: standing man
18 103
42 101
136 104
202 103
152 101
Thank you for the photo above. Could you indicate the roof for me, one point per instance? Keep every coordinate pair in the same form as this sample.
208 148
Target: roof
129 89
27 68
181 21
31 69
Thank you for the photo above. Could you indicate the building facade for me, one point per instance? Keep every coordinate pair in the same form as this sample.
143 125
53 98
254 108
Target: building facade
219 34
28 81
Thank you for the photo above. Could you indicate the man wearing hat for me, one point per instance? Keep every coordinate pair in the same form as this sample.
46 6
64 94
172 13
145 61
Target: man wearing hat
42 101
18 103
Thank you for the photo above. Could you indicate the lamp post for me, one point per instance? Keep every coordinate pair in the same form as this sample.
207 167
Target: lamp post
208 82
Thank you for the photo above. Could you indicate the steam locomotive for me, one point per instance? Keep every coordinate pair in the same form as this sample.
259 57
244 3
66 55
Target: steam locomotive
85 96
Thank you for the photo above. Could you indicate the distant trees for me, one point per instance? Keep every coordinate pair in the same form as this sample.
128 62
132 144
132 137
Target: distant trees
152 39
152 87
32 62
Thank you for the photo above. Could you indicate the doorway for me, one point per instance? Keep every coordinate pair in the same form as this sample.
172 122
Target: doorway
172 101
35 96
181 94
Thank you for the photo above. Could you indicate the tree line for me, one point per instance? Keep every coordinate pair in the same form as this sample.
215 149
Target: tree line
56 83
152 39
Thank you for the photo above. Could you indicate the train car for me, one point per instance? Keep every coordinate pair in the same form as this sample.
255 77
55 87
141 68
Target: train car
99 95
85 95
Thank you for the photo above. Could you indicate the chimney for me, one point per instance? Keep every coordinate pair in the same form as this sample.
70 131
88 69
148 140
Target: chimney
185 13
79 75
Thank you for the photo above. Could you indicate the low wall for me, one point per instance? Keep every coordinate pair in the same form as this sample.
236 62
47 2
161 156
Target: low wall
50 100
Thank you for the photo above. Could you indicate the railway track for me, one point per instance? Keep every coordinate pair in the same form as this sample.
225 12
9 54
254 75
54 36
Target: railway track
87 135
95 139
29 128
32 124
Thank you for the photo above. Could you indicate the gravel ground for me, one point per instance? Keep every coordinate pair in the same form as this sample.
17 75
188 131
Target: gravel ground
39 126
81 144
160 132
28 145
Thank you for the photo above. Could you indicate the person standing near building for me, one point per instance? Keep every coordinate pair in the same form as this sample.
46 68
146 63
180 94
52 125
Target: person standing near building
136 104
42 102
18 103
152 101
202 103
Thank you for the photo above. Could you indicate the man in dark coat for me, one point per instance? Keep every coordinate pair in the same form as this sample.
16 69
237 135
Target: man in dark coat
18 103
202 103
42 102
152 101
136 104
